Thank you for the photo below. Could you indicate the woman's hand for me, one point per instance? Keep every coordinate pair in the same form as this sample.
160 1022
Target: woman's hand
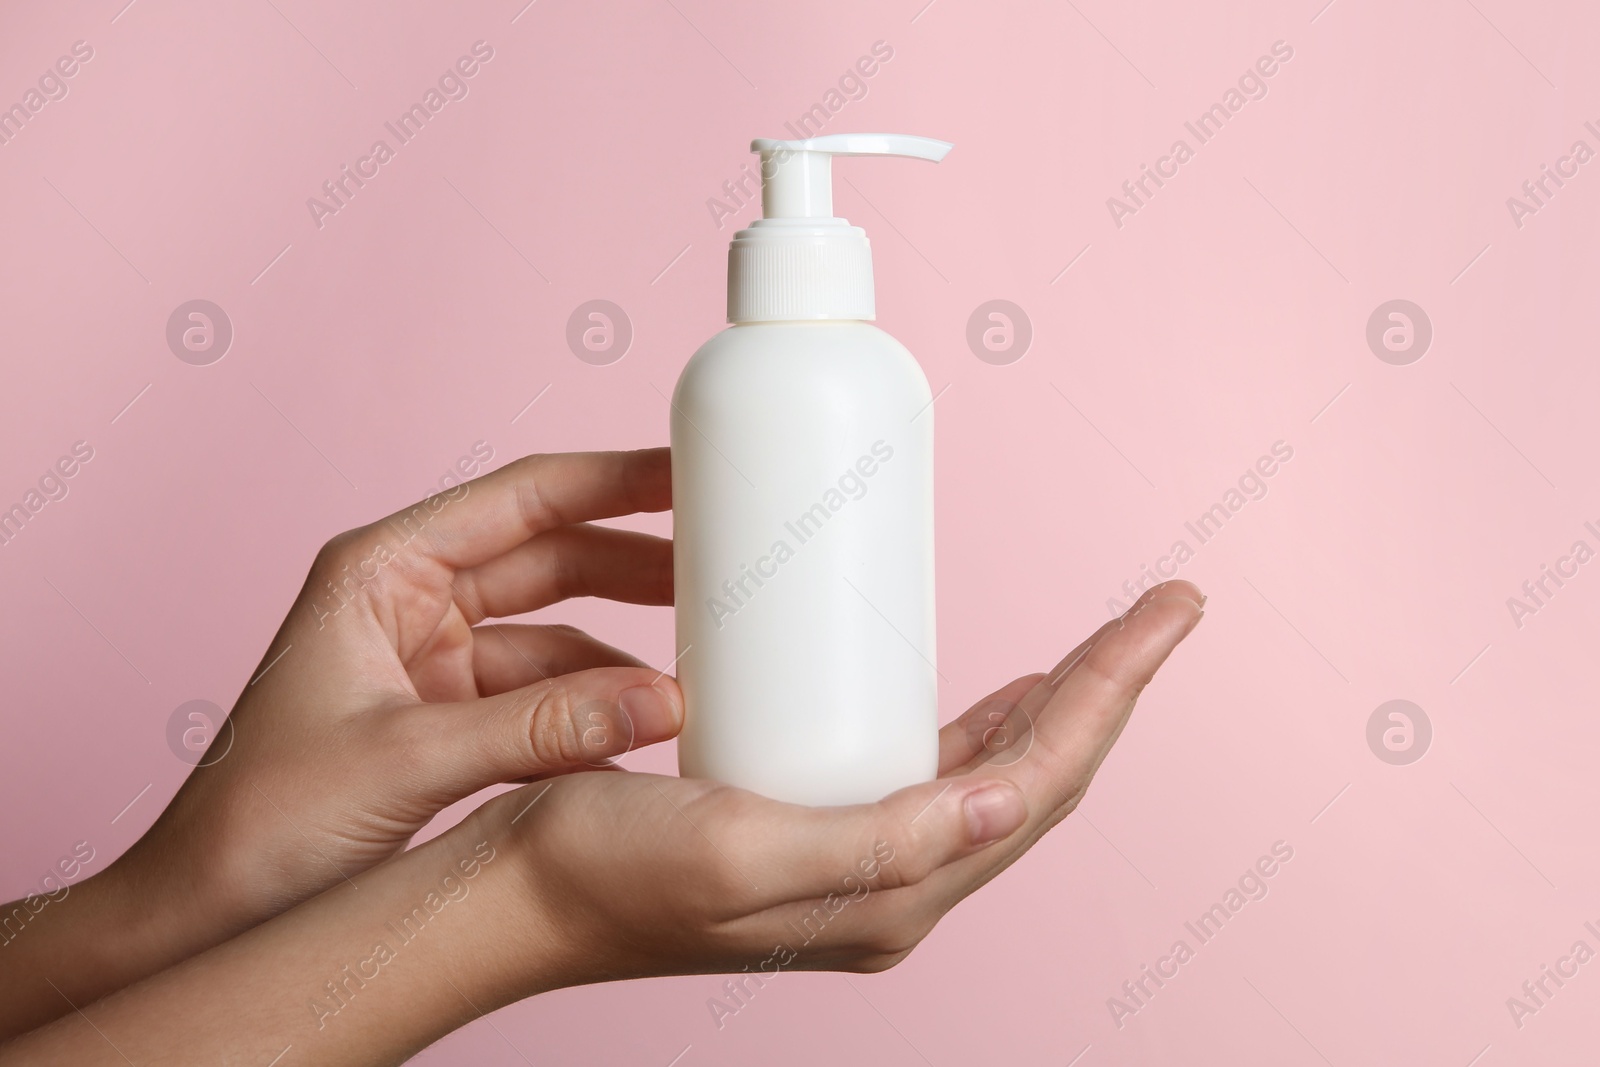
632 875
391 702
381 701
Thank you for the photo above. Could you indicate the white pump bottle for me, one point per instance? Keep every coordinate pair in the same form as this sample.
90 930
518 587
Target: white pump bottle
802 483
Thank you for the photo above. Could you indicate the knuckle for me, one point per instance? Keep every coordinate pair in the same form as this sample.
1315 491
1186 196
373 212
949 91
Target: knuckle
564 629
554 734
339 549
913 864
913 850
897 938
720 855
999 730
354 559
535 511
353 567
1119 680
1070 771
565 575
876 963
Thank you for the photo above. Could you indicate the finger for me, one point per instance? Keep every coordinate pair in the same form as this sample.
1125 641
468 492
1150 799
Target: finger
1085 702
481 519
1076 714
984 726
788 853
507 657
569 561
1001 724
564 723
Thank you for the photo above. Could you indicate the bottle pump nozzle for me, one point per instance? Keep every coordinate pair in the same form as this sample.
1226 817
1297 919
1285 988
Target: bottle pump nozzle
797 176
799 261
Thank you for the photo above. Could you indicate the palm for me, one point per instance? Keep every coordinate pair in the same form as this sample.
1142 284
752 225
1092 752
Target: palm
683 875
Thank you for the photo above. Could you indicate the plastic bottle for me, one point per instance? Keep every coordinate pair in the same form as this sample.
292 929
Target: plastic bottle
802 480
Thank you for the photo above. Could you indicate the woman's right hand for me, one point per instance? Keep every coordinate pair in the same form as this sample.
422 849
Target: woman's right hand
630 875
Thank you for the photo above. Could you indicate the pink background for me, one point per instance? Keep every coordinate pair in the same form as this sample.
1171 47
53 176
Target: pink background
1222 317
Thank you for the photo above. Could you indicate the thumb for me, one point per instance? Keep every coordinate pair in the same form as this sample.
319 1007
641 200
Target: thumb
901 840
578 720
937 823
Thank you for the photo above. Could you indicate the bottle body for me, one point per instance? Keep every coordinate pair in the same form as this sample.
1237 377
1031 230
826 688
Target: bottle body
802 480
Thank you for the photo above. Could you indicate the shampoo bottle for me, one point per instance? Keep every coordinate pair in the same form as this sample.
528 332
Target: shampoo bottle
802 483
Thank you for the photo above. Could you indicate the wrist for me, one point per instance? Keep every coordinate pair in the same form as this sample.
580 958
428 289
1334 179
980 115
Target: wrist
185 898
448 925
363 973
525 948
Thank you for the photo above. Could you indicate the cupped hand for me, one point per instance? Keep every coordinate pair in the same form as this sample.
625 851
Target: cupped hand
383 698
631 875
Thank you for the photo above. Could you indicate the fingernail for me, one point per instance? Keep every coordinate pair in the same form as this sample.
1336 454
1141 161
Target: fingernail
652 712
994 812
1194 622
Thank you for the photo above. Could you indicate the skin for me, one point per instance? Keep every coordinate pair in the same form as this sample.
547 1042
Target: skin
285 863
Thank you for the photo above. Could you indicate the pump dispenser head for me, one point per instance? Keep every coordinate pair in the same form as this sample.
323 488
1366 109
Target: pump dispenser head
798 261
